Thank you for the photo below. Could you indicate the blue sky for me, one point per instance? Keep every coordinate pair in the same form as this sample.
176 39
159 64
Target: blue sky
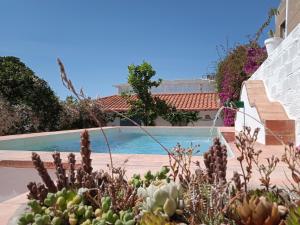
98 39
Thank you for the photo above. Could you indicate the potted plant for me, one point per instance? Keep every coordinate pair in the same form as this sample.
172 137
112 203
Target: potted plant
272 42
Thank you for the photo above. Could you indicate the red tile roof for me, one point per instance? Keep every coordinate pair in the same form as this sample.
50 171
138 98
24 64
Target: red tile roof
186 101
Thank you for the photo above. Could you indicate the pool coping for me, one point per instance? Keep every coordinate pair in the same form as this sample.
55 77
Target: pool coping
40 134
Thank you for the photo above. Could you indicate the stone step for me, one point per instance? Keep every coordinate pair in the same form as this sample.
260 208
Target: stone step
270 107
272 114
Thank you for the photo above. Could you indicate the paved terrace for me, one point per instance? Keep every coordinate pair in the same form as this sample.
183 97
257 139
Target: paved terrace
16 170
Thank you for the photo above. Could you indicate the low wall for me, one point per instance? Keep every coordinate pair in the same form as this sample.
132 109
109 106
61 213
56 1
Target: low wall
250 122
207 120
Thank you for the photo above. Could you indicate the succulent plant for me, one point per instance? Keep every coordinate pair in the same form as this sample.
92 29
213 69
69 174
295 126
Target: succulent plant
72 162
39 165
215 161
68 207
105 215
62 180
37 191
293 217
138 181
260 211
85 152
162 199
150 218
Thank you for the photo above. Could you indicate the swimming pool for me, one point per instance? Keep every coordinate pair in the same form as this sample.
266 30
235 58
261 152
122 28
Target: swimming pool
126 140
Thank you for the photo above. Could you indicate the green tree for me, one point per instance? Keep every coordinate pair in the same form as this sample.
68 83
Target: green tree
20 86
145 107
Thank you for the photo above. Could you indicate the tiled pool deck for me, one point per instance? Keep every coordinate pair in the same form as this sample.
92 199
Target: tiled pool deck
16 170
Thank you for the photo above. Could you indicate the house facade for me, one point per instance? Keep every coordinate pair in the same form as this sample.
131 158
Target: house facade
186 95
288 17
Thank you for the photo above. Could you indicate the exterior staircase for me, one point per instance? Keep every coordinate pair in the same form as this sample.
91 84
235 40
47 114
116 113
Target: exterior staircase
272 114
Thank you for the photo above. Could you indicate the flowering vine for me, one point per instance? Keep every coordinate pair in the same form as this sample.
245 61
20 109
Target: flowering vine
236 67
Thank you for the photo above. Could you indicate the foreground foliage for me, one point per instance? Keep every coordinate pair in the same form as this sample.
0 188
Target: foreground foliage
179 193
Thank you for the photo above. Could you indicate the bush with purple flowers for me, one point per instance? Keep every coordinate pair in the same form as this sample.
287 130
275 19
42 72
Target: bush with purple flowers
236 67
256 55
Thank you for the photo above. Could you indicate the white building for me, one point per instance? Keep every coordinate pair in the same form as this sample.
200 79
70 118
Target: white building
187 95
206 85
271 95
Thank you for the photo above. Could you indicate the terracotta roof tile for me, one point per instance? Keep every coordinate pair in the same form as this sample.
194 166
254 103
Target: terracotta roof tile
186 101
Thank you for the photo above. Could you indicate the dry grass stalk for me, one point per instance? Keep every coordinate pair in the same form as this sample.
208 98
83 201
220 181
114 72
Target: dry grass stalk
266 171
291 158
183 155
245 144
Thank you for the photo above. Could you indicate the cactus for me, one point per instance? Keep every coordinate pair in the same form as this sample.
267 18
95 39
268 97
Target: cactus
163 199
215 161
85 152
260 211
39 165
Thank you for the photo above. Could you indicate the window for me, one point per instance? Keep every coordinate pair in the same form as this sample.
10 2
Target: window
282 30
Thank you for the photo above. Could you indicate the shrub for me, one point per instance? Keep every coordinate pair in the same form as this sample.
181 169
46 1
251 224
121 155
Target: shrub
181 118
236 67
20 86
75 115
16 119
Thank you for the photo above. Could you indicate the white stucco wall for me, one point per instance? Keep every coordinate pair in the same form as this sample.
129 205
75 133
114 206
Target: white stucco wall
250 122
281 75
161 122
116 122
202 122
208 122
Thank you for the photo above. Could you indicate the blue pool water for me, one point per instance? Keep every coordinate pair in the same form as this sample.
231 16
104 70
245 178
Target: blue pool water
122 140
